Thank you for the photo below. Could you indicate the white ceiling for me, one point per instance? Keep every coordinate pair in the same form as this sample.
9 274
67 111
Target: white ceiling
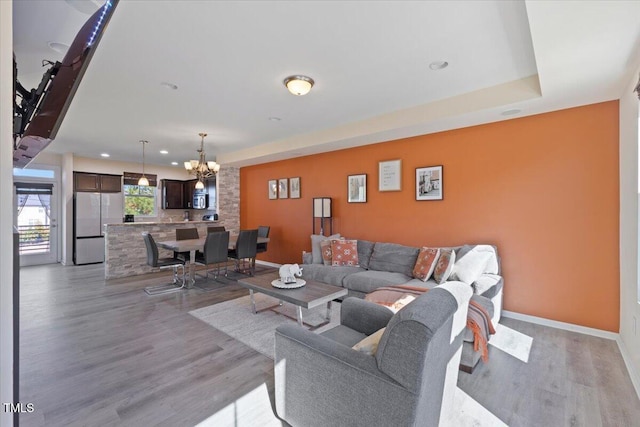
370 61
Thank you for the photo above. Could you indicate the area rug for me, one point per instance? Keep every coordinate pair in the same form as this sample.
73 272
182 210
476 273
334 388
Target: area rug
234 318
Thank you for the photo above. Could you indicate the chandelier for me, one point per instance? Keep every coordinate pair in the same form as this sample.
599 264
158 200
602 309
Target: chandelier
201 168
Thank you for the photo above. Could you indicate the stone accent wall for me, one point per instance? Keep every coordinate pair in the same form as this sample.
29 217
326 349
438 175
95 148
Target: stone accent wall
229 198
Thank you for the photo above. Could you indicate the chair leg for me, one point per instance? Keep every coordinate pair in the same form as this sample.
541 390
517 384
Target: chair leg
164 289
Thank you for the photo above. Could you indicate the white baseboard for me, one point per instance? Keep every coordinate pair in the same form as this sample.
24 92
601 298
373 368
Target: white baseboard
561 325
633 373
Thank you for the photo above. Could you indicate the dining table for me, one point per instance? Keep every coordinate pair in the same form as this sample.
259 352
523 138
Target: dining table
193 245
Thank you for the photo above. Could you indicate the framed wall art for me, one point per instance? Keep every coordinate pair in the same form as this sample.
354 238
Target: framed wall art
429 183
389 175
283 188
294 187
357 188
273 189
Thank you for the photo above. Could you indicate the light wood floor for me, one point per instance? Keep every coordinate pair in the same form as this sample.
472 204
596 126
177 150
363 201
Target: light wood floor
103 353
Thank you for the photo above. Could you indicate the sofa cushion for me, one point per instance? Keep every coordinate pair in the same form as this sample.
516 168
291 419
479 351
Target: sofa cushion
344 253
365 249
429 284
316 251
444 267
368 281
344 335
426 263
393 258
326 274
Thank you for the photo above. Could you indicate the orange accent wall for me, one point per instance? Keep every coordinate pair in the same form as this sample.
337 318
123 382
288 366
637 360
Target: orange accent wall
543 189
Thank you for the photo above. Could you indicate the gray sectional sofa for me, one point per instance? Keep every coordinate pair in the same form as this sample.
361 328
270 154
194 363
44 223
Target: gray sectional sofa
387 264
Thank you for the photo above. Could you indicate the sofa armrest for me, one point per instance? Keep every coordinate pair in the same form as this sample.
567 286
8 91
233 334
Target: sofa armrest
364 316
319 381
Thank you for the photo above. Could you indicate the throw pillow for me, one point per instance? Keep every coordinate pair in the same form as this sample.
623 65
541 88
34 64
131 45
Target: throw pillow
369 345
344 252
316 251
470 267
444 267
426 263
325 245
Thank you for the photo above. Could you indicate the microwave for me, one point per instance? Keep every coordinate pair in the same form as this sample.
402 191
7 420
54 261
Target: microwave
200 200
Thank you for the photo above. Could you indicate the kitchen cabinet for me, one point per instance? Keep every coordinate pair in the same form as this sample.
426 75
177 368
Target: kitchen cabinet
172 194
189 188
86 181
94 182
110 183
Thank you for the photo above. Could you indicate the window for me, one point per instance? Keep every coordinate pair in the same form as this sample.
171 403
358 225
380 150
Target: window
139 200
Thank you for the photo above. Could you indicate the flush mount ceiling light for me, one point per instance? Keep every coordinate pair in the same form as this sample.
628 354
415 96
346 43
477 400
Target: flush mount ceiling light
299 85
104 154
143 181
201 168
164 152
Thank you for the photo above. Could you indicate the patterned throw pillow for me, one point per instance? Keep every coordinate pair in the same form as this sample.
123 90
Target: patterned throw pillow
426 263
344 252
325 246
444 267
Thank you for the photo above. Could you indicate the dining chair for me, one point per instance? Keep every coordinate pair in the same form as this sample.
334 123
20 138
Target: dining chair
263 231
215 229
185 234
153 260
246 249
215 251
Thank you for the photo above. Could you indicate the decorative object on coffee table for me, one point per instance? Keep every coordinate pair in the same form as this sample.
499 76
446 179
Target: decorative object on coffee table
429 183
297 283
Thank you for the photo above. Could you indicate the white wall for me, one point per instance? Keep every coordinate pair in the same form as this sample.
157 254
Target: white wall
6 209
629 307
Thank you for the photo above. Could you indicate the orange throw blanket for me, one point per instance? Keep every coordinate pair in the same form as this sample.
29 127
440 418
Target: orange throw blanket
478 319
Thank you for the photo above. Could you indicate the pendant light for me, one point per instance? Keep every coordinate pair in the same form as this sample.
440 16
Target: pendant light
143 181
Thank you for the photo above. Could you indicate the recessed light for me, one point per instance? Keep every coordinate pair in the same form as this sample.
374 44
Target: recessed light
104 154
511 112
58 47
174 163
164 152
438 65
274 119
169 85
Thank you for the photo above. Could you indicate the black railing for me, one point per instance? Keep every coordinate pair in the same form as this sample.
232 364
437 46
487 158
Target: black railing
34 239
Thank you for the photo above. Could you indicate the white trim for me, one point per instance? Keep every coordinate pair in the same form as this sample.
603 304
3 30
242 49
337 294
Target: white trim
561 325
633 374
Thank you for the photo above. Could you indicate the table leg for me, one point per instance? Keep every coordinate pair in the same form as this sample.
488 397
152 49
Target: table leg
299 313
328 316
253 301
192 268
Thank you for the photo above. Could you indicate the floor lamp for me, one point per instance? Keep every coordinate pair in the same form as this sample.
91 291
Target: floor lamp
322 214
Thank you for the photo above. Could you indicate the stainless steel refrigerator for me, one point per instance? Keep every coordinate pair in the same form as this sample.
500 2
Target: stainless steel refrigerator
91 211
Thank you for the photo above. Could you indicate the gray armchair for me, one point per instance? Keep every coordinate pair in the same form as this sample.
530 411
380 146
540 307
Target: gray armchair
320 380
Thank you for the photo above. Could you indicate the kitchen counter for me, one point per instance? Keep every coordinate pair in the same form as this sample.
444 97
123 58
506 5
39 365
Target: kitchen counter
125 252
